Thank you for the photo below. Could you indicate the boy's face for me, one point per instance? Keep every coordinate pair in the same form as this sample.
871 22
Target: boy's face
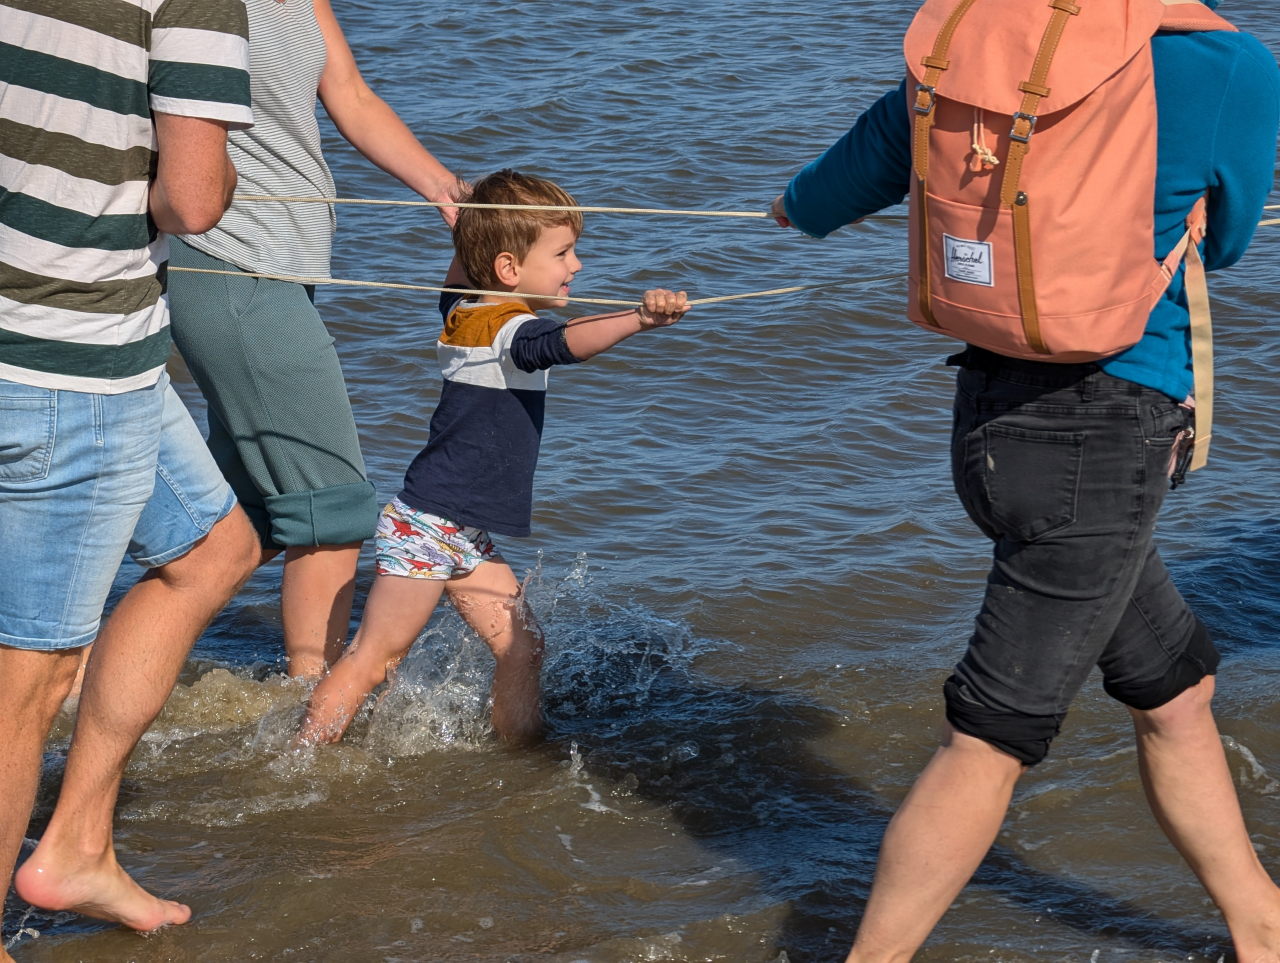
548 267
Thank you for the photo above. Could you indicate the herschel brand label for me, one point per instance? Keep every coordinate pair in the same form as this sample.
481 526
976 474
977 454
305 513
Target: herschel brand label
968 261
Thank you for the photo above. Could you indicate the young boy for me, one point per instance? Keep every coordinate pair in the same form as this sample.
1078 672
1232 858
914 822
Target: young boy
476 474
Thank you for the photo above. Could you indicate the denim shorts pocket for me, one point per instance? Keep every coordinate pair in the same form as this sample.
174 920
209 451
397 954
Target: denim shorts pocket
1031 478
26 445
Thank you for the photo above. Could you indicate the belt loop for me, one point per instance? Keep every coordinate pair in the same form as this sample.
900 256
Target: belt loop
1087 387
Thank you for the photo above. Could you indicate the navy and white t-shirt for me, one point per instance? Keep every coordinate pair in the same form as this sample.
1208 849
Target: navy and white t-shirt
477 468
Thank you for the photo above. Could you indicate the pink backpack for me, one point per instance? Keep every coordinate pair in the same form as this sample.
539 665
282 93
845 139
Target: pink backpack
1043 253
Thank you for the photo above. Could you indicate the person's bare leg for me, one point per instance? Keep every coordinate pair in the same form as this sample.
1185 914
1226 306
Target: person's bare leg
74 694
135 663
1188 784
315 605
934 843
395 613
35 685
490 600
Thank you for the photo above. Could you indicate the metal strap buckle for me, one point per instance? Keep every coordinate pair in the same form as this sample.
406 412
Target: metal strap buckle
923 108
1031 127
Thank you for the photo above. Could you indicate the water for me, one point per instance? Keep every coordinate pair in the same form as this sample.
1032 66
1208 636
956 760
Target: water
747 557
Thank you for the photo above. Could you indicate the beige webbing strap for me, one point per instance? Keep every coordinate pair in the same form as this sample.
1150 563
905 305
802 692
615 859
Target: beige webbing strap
1196 285
1024 125
924 107
1197 288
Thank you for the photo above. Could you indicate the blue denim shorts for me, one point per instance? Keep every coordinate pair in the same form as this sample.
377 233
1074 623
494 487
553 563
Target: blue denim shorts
85 479
1064 468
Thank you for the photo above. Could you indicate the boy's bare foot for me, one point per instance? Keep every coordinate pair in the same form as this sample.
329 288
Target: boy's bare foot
98 888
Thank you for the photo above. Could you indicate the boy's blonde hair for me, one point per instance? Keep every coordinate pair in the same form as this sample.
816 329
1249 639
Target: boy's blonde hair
481 234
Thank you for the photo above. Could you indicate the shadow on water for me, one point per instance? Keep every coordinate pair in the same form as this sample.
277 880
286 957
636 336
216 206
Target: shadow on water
735 767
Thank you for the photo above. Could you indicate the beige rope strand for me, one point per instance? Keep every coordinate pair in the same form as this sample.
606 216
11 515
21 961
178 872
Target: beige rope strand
559 207
1274 220
798 287
609 302
504 207
521 207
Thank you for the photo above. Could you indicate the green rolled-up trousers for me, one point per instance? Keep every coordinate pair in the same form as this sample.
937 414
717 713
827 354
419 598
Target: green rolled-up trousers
280 423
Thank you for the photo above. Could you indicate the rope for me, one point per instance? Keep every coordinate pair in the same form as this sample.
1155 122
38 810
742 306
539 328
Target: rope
514 207
558 207
524 207
610 302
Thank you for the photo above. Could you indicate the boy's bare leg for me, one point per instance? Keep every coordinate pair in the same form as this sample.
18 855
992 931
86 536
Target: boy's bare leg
397 610
934 843
490 600
315 604
1189 787
35 685
135 663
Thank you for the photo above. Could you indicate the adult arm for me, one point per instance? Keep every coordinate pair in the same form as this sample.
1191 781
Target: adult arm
1244 153
867 169
198 82
372 127
194 176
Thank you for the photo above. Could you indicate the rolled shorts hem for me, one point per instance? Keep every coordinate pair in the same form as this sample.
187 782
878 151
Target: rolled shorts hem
339 515
49 645
200 530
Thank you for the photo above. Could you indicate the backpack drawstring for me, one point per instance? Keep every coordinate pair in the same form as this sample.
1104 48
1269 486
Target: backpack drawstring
984 159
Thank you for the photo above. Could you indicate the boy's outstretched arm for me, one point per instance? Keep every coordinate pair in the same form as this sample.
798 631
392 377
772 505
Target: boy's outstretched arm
587 337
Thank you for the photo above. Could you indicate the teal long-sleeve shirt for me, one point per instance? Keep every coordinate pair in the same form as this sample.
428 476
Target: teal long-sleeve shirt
1218 106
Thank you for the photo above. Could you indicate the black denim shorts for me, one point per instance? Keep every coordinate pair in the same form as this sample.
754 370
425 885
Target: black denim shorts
1064 468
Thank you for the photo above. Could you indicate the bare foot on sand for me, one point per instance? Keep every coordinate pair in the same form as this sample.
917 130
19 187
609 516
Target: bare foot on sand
97 888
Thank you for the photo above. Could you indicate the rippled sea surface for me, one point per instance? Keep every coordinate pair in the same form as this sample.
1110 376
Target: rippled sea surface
747 557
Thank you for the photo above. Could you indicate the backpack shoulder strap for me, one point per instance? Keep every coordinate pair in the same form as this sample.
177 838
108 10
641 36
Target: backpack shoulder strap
1197 290
1188 16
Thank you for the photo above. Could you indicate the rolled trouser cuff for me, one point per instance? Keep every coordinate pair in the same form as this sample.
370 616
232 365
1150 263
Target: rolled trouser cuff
327 516
1198 659
1024 737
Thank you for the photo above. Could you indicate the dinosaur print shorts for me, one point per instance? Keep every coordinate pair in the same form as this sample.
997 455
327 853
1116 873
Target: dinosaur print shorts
418 544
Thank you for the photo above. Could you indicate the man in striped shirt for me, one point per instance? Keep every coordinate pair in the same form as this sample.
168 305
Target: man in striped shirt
113 122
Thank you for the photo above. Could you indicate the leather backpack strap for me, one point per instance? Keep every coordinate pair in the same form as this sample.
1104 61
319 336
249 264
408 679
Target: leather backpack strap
924 108
1024 125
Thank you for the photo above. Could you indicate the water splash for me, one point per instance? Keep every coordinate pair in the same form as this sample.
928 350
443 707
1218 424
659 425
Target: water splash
1252 772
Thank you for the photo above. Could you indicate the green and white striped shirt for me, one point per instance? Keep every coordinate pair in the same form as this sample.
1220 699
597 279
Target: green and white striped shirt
82 269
